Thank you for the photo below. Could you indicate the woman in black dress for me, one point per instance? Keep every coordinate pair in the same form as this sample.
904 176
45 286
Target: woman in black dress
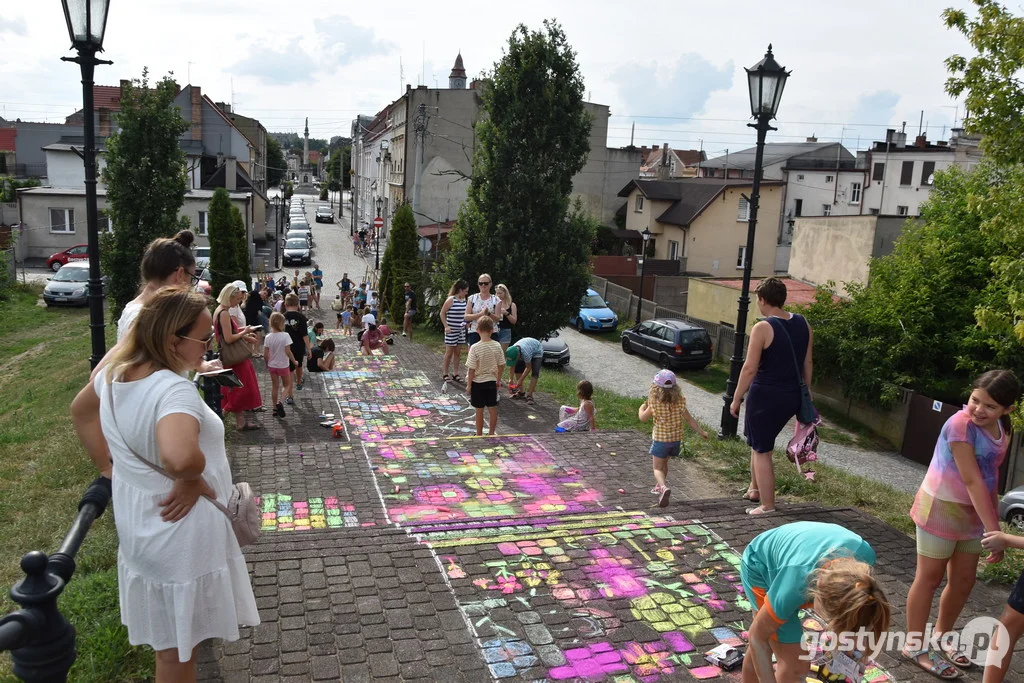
772 377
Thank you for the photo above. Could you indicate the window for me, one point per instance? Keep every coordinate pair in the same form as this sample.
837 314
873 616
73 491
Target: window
855 193
744 212
62 220
741 257
799 211
907 173
902 210
639 208
878 172
203 228
103 222
829 178
927 171
667 333
800 176
826 209
3 163
673 250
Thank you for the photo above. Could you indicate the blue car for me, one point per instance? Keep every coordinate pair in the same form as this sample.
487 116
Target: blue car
594 314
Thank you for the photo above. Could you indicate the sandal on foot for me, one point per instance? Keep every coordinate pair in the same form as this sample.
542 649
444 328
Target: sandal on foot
456 379
752 495
529 398
760 510
956 657
445 377
939 668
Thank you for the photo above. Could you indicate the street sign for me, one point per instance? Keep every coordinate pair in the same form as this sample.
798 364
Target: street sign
378 222
425 245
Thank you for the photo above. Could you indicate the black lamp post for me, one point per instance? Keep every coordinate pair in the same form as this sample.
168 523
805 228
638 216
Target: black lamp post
87 21
643 270
376 230
766 80
278 222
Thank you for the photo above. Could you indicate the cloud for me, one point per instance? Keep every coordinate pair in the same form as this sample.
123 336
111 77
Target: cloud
15 26
681 90
336 41
878 107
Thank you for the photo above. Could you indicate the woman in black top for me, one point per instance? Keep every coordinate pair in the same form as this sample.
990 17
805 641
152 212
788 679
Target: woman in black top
322 358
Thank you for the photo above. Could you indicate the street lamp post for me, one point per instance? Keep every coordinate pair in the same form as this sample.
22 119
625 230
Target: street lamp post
376 230
766 80
278 220
87 22
643 270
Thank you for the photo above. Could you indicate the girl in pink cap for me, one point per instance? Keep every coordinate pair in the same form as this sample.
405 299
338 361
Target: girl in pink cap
667 405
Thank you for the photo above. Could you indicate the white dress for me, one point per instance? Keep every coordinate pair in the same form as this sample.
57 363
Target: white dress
184 582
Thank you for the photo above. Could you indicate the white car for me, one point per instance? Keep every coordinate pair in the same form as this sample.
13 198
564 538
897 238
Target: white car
202 256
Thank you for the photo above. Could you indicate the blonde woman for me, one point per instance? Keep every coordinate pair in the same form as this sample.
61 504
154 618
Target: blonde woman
182 578
246 397
509 316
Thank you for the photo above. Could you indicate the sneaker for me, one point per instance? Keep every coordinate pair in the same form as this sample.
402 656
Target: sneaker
663 498
279 410
298 387
404 334
529 398
290 401
656 491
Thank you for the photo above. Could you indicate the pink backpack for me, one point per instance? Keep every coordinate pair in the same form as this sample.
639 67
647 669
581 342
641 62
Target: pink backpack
802 448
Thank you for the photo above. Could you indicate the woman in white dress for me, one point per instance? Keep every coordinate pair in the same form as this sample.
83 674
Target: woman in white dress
181 575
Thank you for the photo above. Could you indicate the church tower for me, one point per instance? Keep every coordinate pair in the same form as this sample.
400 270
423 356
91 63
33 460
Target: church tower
457 78
305 145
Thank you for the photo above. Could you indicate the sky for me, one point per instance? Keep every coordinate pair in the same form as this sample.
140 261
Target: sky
672 69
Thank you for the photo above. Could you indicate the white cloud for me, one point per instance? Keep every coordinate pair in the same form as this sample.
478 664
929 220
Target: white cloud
15 26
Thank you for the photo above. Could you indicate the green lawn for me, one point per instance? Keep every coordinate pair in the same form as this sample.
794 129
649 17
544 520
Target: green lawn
43 473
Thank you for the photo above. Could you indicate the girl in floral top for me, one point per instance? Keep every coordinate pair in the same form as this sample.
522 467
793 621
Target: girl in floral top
668 407
954 507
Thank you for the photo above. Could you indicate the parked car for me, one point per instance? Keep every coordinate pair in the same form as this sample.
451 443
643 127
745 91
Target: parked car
594 314
556 352
297 251
300 224
79 252
293 234
673 343
203 286
69 286
324 214
1011 508
202 256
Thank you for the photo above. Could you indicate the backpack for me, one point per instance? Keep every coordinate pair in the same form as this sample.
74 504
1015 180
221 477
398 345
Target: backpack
802 448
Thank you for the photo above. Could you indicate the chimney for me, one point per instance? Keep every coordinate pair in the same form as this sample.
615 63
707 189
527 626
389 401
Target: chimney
663 168
812 139
664 154
643 154
103 129
196 97
230 174
921 141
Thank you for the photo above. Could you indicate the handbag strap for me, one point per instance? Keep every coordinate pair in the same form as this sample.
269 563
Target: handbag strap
154 467
792 350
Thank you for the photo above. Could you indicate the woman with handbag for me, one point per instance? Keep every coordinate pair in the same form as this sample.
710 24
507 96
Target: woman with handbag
235 345
182 578
777 372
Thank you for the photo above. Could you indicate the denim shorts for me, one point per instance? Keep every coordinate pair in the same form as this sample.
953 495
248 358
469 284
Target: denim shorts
664 449
503 336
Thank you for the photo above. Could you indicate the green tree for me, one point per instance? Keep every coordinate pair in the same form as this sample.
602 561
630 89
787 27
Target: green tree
223 243
518 223
241 246
400 263
276 164
146 181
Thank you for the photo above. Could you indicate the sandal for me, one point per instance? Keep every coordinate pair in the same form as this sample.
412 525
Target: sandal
759 510
445 377
956 656
939 668
529 398
752 495
456 379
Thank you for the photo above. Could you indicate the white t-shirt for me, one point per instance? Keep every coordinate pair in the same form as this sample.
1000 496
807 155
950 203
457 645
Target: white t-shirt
277 342
237 315
368 320
477 304
127 319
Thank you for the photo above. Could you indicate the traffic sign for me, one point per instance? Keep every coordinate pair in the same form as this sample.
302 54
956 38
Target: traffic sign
378 222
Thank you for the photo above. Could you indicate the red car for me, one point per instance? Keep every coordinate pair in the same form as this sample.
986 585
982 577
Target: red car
79 252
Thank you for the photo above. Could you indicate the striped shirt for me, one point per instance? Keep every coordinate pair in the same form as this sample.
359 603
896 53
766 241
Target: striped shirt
668 420
456 322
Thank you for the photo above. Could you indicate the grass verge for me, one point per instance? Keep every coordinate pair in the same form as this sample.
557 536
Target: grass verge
43 473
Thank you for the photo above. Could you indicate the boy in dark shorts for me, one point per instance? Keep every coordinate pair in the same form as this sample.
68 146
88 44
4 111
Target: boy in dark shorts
484 366
1000 652
297 326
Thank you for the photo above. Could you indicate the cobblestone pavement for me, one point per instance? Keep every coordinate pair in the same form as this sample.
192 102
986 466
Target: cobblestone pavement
608 367
405 551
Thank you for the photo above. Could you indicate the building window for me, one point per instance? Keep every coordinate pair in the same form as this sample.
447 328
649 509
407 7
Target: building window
829 179
878 172
203 229
673 250
62 220
799 211
741 257
826 209
907 173
639 208
103 222
902 210
744 212
927 173
855 193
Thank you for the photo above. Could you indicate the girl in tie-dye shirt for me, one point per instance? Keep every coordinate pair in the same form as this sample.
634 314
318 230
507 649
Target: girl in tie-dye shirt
954 507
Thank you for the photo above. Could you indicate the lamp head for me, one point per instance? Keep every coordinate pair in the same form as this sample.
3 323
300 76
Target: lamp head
766 81
87 22
646 235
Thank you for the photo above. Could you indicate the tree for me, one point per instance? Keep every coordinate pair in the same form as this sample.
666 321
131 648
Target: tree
518 223
400 263
276 164
146 181
241 246
223 243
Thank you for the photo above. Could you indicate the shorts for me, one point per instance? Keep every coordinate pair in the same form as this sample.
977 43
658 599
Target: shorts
280 372
664 449
483 394
503 336
457 337
299 351
791 631
472 338
536 363
1016 599
303 302
938 548
411 313
769 409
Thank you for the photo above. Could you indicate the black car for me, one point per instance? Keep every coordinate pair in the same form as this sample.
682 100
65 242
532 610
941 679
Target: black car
555 350
297 251
324 214
671 342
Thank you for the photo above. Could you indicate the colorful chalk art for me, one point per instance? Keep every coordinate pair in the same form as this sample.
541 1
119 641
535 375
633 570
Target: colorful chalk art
281 513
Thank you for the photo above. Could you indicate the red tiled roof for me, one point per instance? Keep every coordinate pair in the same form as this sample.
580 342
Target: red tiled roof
106 97
430 230
7 139
797 292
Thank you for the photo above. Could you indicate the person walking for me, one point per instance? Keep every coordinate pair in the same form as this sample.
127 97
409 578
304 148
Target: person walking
410 310
318 284
453 318
297 325
667 405
277 352
246 398
480 305
182 578
774 385
344 286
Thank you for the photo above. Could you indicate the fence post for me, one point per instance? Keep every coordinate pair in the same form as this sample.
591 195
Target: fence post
718 339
